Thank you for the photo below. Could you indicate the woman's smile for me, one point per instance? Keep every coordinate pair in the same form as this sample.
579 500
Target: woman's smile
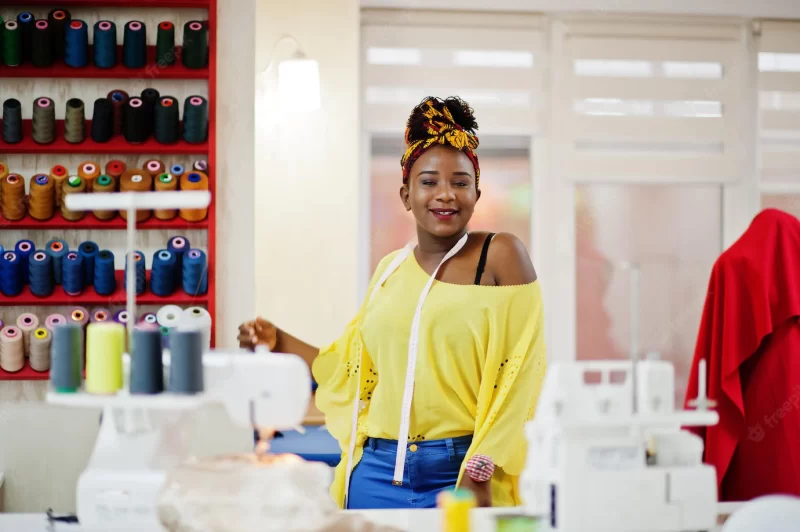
444 215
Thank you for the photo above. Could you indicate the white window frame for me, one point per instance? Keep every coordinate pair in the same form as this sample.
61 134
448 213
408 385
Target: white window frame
554 205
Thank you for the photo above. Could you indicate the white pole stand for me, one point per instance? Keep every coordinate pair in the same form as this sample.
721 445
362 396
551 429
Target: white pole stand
131 202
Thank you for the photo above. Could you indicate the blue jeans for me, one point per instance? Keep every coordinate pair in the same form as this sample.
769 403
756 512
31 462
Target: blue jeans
431 466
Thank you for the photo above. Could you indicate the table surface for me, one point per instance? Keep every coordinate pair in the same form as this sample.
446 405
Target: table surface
483 520
316 444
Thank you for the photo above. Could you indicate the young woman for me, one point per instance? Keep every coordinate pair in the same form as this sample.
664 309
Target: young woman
431 383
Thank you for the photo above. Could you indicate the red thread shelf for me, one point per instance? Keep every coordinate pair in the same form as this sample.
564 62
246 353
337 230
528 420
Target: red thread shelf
90 222
108 3
25 374
117 144
119 71
90 297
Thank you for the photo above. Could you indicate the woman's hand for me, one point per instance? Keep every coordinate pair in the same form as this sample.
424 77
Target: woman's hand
481 490
261 333
258 332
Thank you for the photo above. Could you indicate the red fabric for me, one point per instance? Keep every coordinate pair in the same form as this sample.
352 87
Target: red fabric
754 291
767 458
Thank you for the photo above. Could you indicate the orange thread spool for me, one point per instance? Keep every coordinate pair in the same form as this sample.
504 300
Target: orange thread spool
165 183
115 169
104 183
59 175
194 181
42 202
14 197
154 167
3 175
136 180
73 185
89 171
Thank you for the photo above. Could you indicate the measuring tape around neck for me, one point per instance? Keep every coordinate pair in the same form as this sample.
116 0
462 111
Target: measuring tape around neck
413 348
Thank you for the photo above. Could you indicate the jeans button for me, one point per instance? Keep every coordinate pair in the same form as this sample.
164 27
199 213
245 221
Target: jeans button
413 447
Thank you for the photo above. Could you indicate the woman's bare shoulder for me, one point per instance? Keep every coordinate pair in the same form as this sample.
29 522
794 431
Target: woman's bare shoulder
509 261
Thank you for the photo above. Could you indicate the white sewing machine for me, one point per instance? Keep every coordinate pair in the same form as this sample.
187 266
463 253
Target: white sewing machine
142 436
606 452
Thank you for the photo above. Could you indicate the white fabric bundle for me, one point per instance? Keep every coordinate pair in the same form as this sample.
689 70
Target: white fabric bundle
254 493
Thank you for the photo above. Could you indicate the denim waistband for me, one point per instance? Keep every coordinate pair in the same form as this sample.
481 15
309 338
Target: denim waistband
460 444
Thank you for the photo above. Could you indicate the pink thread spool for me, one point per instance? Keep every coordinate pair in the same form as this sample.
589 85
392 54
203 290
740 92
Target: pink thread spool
27 323
12 349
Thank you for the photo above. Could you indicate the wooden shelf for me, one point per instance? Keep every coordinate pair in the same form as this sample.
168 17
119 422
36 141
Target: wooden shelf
117 144
119 71
90 297
90 222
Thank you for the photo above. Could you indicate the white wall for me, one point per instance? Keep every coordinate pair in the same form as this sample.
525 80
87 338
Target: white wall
307 173
43 449
236 70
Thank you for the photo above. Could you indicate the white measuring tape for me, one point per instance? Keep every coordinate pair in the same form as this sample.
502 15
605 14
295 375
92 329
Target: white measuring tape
398 260
408 392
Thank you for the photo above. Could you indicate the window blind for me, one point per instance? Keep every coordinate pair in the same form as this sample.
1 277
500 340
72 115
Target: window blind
779 102
648 101
494 62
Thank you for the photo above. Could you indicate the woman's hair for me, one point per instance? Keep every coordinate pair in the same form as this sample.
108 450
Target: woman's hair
460 110
448 122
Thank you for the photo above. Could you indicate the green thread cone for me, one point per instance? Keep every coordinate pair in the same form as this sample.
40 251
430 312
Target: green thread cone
165 45
12 43
195 45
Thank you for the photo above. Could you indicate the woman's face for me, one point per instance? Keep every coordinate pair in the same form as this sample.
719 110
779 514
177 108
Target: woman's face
441 191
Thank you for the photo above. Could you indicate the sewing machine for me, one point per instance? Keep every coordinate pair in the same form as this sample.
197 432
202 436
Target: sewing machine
143 436
606 451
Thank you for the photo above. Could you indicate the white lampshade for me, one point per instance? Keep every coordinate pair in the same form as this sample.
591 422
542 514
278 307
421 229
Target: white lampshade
298 85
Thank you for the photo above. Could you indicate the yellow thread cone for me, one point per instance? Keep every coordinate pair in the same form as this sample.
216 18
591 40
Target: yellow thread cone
455 506
105 343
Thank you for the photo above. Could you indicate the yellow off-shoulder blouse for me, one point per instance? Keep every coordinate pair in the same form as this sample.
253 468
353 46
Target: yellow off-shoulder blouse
480 367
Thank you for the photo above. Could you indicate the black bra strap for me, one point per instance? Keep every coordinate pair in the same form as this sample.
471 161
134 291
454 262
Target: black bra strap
482 261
